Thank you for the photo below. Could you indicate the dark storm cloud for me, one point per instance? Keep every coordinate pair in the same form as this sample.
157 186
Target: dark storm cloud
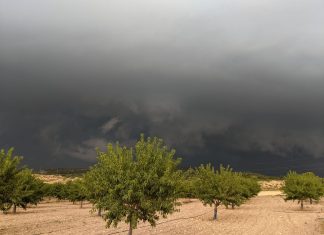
237 82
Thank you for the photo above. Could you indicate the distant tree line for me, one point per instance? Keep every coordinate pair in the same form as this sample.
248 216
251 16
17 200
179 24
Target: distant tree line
143 183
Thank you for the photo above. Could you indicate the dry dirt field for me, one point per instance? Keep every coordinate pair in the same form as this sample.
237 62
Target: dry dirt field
51 179
265 214
271 184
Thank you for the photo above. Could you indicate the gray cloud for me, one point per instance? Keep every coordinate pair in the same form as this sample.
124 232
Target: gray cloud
222 81
109 125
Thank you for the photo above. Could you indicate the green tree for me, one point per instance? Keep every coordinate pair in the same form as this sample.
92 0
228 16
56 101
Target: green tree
57 190
18 187
96 186
213 186
187 186
76 191
301 187
140 184
251 187
223 186
242 189
233 195
8 172
28 190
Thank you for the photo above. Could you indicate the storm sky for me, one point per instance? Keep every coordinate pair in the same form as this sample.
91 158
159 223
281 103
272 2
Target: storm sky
228 81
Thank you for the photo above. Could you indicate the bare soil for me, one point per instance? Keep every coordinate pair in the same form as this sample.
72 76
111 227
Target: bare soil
271 184
267 213
51 179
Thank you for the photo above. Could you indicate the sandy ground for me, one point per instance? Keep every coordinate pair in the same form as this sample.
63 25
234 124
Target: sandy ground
271 184
271 193
51 179
264 214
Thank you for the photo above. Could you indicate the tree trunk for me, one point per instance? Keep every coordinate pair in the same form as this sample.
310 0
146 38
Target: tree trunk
311 201
14 209
215 212
233 205
130 231
81 204
226 206
302 204
99 211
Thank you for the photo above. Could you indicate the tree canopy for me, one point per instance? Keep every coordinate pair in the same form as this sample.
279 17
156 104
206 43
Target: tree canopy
18 187
304 186
223 186
75 191
140 183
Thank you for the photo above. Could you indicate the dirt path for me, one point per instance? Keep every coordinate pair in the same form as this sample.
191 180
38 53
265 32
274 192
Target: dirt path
265 214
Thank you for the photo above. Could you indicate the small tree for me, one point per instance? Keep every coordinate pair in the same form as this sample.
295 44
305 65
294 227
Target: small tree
8 172
141 184
76 191
57 190
96 186
235 188
223 186
28 190
18 187
250 187
209 187
187 186
301 187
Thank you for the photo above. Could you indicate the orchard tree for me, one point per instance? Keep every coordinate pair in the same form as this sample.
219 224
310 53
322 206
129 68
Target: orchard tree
76 191
187 186
57 190
28 190
18 187
251 187
210 188
8 172
96 186
301 187
216 187
141 184
241 189
233 195
46 189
